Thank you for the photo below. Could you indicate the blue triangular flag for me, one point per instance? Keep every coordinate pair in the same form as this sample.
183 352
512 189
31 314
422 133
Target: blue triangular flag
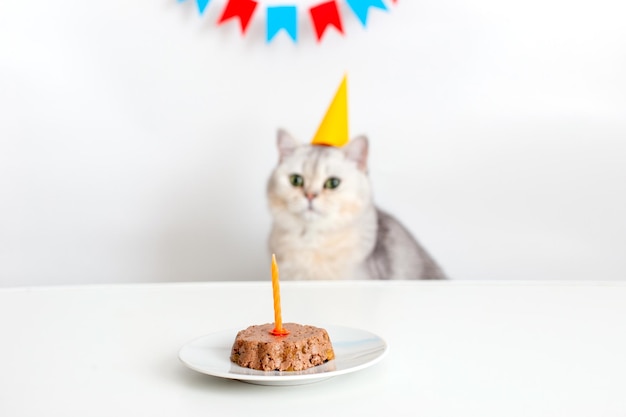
202 5
282 17
361 8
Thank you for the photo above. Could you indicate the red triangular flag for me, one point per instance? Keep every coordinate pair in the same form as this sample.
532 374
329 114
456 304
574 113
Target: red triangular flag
243 9
324 15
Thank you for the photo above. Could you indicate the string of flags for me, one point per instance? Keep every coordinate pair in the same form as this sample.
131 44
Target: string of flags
284 18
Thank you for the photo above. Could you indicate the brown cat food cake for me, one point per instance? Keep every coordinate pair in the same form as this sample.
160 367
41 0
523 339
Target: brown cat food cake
304 347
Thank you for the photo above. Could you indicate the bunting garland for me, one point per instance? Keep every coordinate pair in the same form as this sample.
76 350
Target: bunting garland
202 4
324 15
361 8
242 9
284 18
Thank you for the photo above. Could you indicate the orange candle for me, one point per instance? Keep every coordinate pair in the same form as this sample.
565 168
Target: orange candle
278 321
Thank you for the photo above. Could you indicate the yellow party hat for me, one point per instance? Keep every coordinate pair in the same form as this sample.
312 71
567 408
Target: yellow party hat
333 131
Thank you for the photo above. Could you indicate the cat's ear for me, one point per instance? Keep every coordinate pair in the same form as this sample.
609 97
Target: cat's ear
286 144
356 150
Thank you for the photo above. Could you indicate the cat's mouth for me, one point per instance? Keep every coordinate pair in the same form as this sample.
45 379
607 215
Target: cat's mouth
311 211
310 215
307 210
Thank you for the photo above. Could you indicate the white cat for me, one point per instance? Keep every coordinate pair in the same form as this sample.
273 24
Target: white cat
325 224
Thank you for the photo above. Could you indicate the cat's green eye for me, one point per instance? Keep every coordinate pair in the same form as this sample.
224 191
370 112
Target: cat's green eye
296 180
332 183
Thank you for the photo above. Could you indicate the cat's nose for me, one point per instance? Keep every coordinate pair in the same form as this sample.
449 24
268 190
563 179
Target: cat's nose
310 196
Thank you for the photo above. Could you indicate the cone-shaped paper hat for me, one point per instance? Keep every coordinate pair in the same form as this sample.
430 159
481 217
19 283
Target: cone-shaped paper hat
333 130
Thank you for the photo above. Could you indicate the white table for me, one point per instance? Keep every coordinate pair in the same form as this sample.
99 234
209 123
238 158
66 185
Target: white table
456 349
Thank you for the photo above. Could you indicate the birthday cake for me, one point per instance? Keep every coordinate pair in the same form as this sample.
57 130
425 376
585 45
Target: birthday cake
302 348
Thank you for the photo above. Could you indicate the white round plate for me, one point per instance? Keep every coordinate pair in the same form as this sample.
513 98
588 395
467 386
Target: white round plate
355 349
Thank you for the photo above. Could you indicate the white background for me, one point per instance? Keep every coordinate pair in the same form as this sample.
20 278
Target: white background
136 137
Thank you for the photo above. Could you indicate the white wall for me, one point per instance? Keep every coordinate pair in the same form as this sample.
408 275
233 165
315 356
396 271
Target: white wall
136 137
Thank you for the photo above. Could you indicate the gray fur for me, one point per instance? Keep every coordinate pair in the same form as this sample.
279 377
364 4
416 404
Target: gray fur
397 255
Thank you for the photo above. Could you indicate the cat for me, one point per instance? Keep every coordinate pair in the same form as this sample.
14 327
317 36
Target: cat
325 223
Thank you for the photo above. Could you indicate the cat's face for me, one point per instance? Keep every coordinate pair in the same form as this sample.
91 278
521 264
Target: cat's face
322 187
